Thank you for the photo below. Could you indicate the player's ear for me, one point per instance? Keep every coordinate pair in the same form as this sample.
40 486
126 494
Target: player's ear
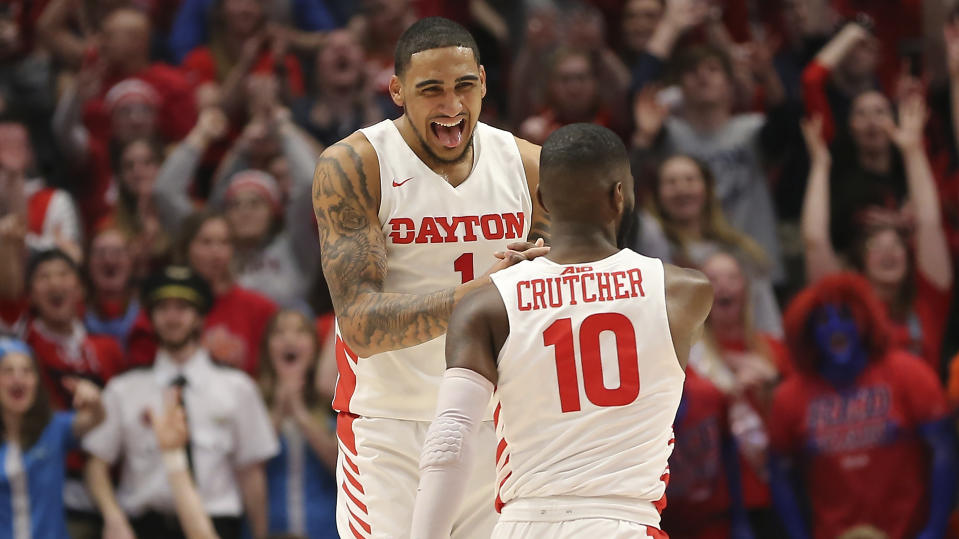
482 72
539 198
617 197
396 91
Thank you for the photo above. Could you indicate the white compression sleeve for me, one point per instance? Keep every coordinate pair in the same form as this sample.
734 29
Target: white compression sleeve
445 461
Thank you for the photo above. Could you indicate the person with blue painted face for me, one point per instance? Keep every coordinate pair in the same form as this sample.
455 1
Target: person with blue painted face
862 426
35 443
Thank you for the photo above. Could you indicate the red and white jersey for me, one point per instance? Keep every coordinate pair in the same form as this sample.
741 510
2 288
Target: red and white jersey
589 384
437 236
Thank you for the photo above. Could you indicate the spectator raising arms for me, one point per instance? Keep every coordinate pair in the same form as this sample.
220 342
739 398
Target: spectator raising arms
914 287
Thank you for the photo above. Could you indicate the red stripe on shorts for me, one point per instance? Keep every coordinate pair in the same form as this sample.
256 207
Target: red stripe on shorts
346 382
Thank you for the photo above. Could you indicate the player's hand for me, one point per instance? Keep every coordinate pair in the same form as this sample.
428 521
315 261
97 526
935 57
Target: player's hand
529 249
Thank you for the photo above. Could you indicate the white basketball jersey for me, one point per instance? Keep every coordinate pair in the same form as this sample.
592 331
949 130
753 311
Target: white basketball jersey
437 236
588 386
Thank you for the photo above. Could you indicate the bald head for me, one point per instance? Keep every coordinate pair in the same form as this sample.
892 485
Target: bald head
125 40
579 169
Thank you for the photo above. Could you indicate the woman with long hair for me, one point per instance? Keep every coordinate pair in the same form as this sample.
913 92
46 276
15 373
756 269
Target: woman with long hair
300 480
744 363
35 443
903 254
684 224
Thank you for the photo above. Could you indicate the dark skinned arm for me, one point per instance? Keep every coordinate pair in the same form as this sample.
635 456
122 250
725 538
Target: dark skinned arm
689 297
539 224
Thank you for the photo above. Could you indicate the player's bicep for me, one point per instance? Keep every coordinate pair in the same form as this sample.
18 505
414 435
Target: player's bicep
689 297
352 246
473 334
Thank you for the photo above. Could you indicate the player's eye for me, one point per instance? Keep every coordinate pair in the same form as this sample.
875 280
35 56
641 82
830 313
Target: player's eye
432 90
464 85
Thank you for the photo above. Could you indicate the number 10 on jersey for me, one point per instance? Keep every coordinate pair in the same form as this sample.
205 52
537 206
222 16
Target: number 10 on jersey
560 335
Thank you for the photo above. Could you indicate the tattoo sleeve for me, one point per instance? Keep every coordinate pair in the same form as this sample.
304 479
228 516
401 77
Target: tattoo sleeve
353 254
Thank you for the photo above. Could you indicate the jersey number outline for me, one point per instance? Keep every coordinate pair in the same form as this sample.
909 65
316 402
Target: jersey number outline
560 335
464 265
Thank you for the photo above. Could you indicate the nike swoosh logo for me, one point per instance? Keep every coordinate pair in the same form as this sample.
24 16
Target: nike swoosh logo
397 184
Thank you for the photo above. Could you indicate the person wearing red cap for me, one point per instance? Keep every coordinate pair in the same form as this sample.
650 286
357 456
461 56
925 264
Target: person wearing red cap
273 229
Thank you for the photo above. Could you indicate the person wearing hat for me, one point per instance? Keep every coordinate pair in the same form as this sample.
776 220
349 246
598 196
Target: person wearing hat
35 443
230 433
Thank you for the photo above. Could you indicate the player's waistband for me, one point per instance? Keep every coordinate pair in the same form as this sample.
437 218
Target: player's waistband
562 508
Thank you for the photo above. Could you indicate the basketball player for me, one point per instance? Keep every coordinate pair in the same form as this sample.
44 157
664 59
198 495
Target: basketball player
410 215
586 349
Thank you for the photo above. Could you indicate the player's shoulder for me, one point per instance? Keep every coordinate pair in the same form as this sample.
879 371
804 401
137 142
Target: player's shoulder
351 161
354 146
528 151
687 286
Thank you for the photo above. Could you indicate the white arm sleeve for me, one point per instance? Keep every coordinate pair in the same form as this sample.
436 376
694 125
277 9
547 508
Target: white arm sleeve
445 461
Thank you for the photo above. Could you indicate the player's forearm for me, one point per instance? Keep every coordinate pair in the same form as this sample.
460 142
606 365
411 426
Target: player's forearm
447 454
378 321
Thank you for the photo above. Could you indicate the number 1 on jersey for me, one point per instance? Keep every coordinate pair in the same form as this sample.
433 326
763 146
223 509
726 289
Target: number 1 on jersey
464 265
560 335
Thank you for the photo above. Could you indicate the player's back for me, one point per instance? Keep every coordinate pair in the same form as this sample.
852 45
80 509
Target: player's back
588 386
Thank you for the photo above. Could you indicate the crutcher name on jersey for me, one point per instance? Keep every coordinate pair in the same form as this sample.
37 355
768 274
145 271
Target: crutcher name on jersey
492 226
570 289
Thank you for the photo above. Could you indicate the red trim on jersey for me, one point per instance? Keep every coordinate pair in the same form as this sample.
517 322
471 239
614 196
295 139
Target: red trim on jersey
654 533
360 505
353 481
499 501
354 467
346 382
496 414
500 448
660 504
505 462
355 533
344 431
37 210
359 521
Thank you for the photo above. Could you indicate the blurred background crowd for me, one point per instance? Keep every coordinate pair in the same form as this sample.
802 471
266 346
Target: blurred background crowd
799 152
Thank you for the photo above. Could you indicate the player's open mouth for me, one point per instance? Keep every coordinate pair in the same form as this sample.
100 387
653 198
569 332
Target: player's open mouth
449 131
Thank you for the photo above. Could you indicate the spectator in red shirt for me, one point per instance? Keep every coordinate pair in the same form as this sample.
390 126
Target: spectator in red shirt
241 44
235 324
914 287
572 96
843 69
862 425
744 363
705 500
65 350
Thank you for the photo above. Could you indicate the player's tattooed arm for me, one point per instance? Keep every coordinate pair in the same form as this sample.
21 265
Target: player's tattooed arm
539 223
353 255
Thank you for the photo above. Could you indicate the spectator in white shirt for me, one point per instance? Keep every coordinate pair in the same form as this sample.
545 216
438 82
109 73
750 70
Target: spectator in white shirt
230 433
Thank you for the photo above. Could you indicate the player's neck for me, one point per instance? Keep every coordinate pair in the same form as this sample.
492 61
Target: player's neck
454 173
575 243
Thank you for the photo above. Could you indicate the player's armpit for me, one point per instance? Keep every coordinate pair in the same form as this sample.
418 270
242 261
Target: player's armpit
353 254
478 328
689 297
539 222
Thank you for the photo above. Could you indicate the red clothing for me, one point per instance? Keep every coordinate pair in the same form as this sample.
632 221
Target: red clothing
814 79
232 332
859 449
755 487
922 331
93 357
177 110
697 495
896 24
200 67
96 199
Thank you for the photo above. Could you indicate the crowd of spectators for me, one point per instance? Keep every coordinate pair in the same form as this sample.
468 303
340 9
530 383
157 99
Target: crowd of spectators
804 154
